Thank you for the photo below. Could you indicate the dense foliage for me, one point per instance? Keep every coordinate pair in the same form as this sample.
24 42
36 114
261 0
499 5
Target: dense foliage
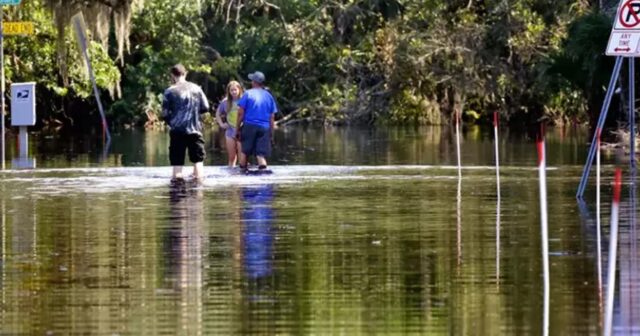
337 61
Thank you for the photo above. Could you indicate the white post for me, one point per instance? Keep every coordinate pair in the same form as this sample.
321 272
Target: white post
498 237
459 201
23 140
613 250
458 144
495 131
542 176
459 221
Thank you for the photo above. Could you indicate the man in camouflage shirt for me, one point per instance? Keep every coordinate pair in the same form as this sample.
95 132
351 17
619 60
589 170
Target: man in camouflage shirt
182 104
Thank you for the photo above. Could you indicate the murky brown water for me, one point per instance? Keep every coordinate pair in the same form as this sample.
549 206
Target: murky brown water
356 232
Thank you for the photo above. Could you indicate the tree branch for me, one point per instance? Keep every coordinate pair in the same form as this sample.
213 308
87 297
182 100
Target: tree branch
270 5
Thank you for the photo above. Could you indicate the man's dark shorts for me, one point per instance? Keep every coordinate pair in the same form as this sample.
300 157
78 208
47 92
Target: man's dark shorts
256 140
180 142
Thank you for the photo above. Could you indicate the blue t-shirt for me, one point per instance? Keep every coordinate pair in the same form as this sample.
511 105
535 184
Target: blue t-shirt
258 105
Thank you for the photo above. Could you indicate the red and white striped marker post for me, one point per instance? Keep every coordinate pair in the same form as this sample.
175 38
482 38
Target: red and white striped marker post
613 250
542 177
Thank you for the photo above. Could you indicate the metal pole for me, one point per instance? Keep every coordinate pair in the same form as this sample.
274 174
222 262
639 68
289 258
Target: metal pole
2 85
23 142
84 48
632 111
601 120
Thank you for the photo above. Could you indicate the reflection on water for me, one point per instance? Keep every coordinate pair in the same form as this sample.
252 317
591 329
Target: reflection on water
184 255
260 286
320 146
625 311
257 217
628 319
339 240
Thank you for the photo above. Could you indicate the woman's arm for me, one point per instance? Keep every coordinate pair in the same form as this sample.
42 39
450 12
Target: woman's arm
219 120
240 117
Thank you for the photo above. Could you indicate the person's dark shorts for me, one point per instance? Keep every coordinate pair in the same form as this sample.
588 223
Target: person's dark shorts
181 142
255 140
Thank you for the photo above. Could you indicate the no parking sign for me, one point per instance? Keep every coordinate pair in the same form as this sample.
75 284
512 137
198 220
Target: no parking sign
625 35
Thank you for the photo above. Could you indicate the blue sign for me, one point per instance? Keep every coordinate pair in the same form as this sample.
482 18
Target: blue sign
9 2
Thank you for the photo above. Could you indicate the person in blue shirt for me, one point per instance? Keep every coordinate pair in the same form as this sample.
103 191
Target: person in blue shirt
182 104
256 118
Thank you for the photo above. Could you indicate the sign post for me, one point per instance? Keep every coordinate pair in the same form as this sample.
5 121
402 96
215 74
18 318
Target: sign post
2 84
625 41
2 109
80 28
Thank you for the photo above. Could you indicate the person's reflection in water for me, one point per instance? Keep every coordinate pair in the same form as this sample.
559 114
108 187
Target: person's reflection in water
257 243
257 217
183 253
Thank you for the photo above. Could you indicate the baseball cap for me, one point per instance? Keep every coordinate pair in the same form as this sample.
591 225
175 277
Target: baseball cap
257 77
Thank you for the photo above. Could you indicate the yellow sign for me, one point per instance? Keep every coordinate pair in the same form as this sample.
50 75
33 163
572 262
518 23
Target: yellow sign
18 28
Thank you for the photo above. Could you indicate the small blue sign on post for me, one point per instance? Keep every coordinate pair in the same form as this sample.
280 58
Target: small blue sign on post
10 2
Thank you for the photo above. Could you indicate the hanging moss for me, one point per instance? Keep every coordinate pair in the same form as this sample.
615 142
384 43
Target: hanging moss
98 15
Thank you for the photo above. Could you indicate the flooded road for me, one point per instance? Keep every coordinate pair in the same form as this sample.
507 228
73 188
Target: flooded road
357 232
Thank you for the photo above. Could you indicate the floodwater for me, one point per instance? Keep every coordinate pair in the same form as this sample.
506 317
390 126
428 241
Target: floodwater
357 232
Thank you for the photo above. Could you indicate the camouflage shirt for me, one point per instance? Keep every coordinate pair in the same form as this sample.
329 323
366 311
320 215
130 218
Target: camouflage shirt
182 105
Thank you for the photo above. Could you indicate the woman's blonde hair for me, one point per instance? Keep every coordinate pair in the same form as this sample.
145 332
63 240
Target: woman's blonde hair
229 97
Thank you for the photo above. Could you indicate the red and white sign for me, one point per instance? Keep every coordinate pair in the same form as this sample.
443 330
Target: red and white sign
625 36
